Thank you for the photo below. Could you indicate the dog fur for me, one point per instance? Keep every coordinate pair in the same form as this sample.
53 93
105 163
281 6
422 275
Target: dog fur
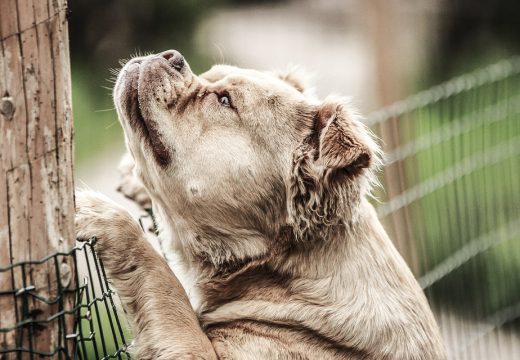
262 191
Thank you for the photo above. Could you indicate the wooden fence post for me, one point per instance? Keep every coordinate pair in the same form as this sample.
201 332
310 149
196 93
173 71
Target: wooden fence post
36 167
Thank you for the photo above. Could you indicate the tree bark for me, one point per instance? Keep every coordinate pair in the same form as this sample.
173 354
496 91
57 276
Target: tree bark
36 169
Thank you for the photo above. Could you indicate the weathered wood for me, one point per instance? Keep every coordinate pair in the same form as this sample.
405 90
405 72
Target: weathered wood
36 175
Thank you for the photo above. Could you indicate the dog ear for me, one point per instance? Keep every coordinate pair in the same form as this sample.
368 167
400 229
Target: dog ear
331 170
341 142
296 77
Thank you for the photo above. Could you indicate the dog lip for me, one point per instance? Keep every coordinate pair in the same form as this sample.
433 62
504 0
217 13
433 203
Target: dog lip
160 151
136 115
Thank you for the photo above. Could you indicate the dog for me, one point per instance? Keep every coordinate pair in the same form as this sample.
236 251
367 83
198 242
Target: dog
262 190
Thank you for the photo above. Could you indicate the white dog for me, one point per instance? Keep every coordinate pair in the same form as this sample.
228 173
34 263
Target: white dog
263 192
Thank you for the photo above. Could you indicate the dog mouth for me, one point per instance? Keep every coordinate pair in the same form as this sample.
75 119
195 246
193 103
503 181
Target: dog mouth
145 91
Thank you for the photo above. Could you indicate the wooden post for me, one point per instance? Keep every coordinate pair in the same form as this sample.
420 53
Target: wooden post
385 27
36 170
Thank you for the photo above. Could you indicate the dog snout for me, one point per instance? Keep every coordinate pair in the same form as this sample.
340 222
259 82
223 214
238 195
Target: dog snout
135 60
175 59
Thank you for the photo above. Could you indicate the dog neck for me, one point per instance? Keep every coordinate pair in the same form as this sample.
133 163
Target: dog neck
281 253
287 259
357 273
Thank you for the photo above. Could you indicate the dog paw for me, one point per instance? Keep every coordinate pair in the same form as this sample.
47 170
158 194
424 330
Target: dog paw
130 185
99 217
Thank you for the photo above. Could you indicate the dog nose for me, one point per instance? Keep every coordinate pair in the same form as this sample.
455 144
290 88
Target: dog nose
175 59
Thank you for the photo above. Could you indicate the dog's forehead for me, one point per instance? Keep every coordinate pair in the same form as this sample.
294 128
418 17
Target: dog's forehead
219 72
237 76
268 82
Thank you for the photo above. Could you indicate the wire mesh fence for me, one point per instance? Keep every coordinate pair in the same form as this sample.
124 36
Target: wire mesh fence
452 201
98 332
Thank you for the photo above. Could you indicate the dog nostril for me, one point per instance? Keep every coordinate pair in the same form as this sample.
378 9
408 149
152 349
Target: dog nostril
175 59
178 63
168 54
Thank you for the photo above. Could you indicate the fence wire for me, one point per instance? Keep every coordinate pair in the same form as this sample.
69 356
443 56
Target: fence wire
452 203
97 331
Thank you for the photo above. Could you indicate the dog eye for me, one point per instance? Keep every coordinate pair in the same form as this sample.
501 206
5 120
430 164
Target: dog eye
224 100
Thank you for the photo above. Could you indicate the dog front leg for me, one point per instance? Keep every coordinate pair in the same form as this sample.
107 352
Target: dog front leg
164 324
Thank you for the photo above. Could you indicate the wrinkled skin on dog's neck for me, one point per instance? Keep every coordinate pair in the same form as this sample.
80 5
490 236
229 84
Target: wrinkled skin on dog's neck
262 189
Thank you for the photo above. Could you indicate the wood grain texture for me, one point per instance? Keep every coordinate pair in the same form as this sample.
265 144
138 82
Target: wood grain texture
36 160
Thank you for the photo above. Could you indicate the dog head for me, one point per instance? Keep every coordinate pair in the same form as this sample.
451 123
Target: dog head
233 158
